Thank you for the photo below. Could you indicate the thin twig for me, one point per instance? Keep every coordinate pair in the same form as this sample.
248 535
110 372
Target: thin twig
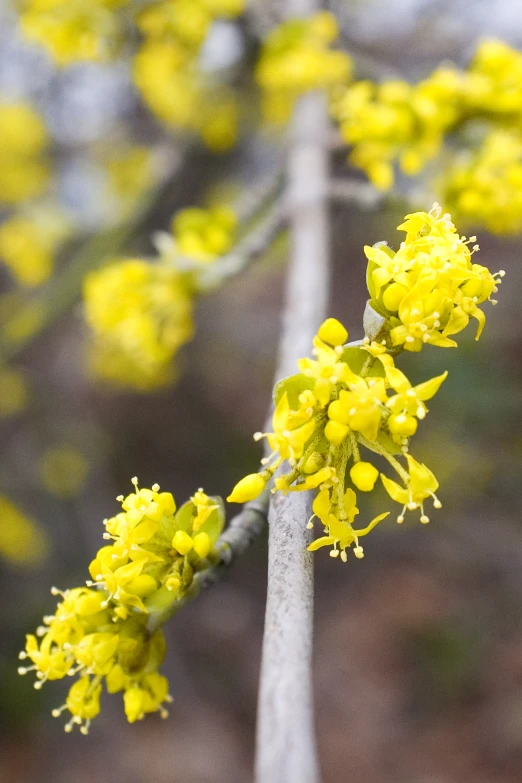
240 533
286 748
363 194
254 245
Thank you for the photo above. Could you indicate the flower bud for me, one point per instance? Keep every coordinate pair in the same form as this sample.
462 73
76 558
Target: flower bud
364 475
182 542
393 296
142 585
247 489
332 332
202 544
401 424
336 432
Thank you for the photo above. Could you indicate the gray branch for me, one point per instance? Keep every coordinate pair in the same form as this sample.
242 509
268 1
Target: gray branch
286 748
254 245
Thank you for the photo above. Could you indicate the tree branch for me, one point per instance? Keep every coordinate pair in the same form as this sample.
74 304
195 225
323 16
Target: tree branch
286 749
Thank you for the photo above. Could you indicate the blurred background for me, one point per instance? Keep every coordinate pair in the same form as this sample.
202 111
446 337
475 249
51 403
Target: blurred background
418 648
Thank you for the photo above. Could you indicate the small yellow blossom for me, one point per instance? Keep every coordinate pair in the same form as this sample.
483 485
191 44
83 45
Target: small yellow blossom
364 475
204 234
340 533
421 485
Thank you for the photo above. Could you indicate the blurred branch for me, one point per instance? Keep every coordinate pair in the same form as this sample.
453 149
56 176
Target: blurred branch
241 531
286 748
239 534
44 307
50 302
356 192
254 245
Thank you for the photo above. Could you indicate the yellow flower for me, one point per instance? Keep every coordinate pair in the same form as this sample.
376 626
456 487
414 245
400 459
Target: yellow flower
360 409
74 29
24 169
364 475
296 58
341 534
22 541
408 404
168 83
332 332
421 485
204 234
327 370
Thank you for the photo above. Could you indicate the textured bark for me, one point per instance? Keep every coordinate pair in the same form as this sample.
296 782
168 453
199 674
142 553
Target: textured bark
286 748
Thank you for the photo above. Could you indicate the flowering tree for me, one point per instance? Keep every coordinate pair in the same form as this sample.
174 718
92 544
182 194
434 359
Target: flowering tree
344 413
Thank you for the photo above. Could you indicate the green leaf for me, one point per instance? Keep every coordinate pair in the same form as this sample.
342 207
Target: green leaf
160 604
293 386
185 516
387 443
215 523
355 357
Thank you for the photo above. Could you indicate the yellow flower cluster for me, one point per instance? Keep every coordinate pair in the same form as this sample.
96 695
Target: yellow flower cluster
396 121
141 311
176 91
353 396
168 75
109 632
485 187
295 58
74 29
24 170
140 314
28 244
337 403
166 68
187 21
430 288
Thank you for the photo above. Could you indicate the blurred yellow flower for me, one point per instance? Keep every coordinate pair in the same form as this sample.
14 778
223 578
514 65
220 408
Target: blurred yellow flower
14 392
21 539
296 57
142 311
28 243
63 470
485 187
74 29
24 170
